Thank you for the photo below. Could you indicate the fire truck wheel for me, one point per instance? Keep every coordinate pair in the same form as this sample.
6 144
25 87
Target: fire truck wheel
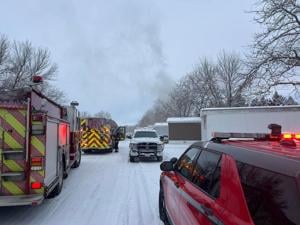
78 160
56 191
66 170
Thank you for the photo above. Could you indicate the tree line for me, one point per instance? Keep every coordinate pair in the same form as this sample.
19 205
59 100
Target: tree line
249 80
20 61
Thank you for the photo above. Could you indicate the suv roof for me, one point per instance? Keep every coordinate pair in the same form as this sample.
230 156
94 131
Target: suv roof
269 155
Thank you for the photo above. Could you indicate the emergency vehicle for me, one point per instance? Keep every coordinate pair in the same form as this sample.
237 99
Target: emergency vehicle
34 147
234 179
97 134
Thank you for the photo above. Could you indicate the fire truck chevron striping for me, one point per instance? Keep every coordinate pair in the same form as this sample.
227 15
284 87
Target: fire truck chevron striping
38 146
96 134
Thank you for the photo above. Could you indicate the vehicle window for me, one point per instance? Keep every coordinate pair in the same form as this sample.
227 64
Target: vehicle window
272 198
207 173
145 134
185 164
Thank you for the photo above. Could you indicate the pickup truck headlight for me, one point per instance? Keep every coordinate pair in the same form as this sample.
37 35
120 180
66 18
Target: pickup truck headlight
133 146
160 147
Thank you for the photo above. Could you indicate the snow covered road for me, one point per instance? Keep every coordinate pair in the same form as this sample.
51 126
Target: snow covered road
105 190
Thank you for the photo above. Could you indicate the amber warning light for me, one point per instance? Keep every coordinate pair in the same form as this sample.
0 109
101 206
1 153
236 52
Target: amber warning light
287 136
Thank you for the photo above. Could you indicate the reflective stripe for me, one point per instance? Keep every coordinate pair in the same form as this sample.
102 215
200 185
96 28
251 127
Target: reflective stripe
38 144
12 188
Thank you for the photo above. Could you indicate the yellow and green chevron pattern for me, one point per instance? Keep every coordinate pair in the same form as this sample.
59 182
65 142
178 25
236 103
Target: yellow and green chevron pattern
12 142
95 139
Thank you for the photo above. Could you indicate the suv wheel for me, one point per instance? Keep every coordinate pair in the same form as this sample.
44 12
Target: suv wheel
162 208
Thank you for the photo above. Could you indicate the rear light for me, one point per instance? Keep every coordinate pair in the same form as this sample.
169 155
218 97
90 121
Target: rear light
36 163
287 136
36 185
297 136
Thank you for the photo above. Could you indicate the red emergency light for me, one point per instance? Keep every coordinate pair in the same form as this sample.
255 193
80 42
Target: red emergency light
36 161
36 185
37 79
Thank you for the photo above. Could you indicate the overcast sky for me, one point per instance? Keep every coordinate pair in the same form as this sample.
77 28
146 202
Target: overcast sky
120 55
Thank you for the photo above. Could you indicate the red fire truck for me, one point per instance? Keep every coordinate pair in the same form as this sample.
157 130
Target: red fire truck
38 146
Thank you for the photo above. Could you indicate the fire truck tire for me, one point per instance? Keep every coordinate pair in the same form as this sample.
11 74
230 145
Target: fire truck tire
56 191
78 160
66 170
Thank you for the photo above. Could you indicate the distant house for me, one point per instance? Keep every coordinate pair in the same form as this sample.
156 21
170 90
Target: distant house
184 128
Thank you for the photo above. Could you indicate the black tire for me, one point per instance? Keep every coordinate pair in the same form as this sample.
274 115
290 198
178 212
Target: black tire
78 160
87 151
131 158
66 169
159 158
57 190
134 158
162 209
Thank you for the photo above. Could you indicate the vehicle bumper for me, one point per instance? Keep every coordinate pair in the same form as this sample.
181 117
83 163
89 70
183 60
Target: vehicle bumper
146 154
21 200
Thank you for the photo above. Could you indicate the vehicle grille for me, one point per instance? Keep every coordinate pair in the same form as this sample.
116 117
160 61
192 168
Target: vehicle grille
147 147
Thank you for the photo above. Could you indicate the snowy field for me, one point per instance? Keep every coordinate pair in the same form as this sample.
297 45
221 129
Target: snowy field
105 190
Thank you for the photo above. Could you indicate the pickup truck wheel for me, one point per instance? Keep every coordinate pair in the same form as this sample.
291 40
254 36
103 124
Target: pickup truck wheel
162 208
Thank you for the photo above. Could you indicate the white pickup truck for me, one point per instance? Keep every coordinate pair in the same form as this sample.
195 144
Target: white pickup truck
145 144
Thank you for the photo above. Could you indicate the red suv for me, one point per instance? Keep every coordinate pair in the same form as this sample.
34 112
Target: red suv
233 182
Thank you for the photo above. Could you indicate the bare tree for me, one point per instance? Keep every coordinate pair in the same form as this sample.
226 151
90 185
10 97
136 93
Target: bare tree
103 114
232 81
85 114
4 48
24 62
20 61
276 50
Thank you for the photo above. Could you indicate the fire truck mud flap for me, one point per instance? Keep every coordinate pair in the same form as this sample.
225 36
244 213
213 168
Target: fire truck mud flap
21 200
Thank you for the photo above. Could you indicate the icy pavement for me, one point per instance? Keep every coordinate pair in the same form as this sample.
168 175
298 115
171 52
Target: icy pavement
105 190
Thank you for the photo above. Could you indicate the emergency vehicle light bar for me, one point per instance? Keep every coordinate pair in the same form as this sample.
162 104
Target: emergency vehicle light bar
225 135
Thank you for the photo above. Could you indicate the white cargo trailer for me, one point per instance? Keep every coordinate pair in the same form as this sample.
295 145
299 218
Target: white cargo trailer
249 119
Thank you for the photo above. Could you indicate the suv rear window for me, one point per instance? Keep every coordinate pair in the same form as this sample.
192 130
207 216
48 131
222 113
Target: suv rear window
272 198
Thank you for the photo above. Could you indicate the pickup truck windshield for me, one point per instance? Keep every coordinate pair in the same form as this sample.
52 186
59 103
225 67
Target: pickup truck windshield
145 134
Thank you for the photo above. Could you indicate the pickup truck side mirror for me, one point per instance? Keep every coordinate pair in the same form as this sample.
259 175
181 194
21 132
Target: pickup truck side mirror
129 136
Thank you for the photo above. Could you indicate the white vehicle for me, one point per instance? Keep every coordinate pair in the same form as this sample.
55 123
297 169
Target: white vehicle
248 119
145 144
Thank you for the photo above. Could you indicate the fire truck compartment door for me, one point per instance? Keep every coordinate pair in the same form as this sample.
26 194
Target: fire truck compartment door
51 152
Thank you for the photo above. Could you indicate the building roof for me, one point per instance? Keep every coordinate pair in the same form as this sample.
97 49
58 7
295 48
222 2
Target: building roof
184 120
254 108
161 124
